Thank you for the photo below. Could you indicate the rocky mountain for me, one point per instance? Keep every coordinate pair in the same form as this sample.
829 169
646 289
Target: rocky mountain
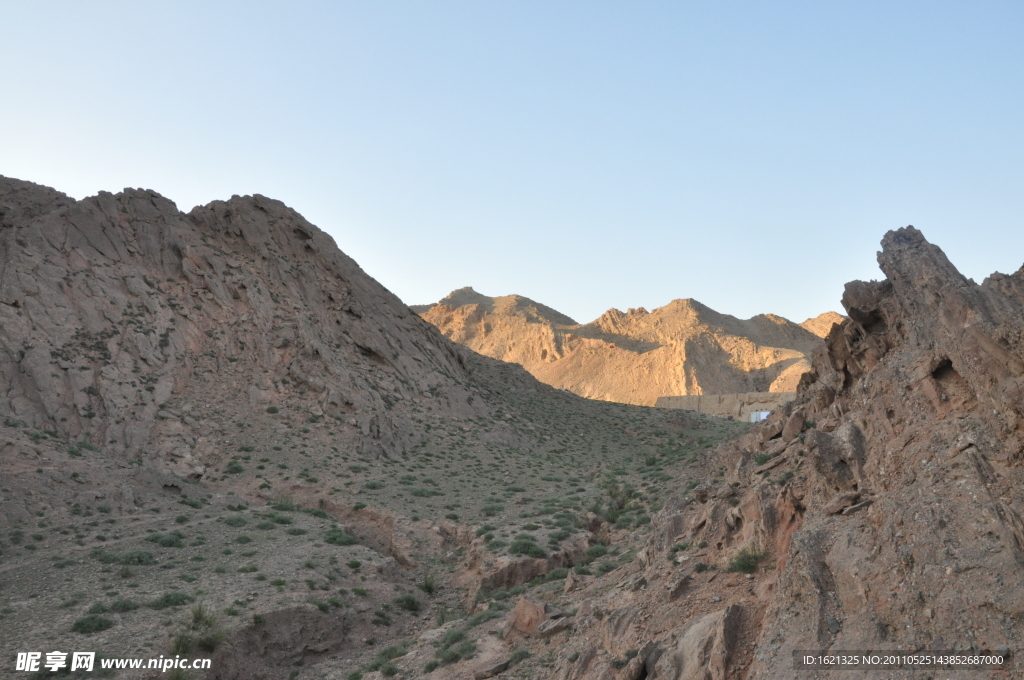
221 439
882 511
634 357
220 408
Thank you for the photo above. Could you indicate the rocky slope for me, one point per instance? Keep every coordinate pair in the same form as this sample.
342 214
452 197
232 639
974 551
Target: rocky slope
637 356
881 511
221 408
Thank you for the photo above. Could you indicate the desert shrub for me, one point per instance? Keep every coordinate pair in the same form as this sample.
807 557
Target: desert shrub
172 539
235 521
234 467
170 600
408 602
701 567
336 536
243 539
492 509
284 504
428 585
523 546
518 655
374 485
747 561
595 551
122 605
93 623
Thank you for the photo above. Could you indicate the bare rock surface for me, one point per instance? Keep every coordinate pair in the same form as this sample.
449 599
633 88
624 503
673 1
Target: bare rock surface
683 348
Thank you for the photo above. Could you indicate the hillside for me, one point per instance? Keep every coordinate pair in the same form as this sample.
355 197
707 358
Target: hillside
637 356
221 409
222 439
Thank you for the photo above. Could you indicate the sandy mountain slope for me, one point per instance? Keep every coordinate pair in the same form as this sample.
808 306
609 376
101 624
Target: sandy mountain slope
634 357
822 324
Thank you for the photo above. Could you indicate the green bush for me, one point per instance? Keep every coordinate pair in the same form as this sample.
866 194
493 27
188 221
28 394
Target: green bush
234 467
518 655
93 623
336 536
235 521
122 605
172 539
408 602
747 561
374 485
523 546
762 458
170 600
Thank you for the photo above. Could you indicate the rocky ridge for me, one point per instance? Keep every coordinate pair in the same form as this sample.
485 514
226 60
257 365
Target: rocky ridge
636 356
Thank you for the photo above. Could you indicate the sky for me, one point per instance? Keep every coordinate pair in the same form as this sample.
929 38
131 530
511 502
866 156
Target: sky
586 155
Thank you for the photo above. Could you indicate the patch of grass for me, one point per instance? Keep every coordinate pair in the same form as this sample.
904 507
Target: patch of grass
523 546
122 605
173 539
518 655
93 623
170 600
408 602
336 536
428 585
747 560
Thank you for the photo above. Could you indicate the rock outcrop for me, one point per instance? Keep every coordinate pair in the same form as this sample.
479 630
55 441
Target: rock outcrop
683 348
881 510
113 305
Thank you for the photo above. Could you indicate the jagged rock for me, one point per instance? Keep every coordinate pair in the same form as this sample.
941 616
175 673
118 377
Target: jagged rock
703 649
841 502
794 425
491 670
553 627
526 616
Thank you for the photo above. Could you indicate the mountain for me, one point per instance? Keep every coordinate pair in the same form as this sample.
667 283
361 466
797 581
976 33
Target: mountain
220 408
223 440
634 357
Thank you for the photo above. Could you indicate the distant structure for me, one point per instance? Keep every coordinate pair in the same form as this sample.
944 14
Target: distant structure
747 406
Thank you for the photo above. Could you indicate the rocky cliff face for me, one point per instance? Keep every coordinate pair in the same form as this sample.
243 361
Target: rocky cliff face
114 306
881 511
635 357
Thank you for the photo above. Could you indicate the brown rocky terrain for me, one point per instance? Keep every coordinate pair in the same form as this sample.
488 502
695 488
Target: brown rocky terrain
880 511
220 409
265 505
683 348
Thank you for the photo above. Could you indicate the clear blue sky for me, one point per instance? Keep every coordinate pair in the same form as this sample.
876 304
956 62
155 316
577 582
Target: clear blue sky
588 155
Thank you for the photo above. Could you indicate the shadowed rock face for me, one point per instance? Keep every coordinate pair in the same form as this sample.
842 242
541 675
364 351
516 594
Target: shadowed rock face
637 356
112 305
886 501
